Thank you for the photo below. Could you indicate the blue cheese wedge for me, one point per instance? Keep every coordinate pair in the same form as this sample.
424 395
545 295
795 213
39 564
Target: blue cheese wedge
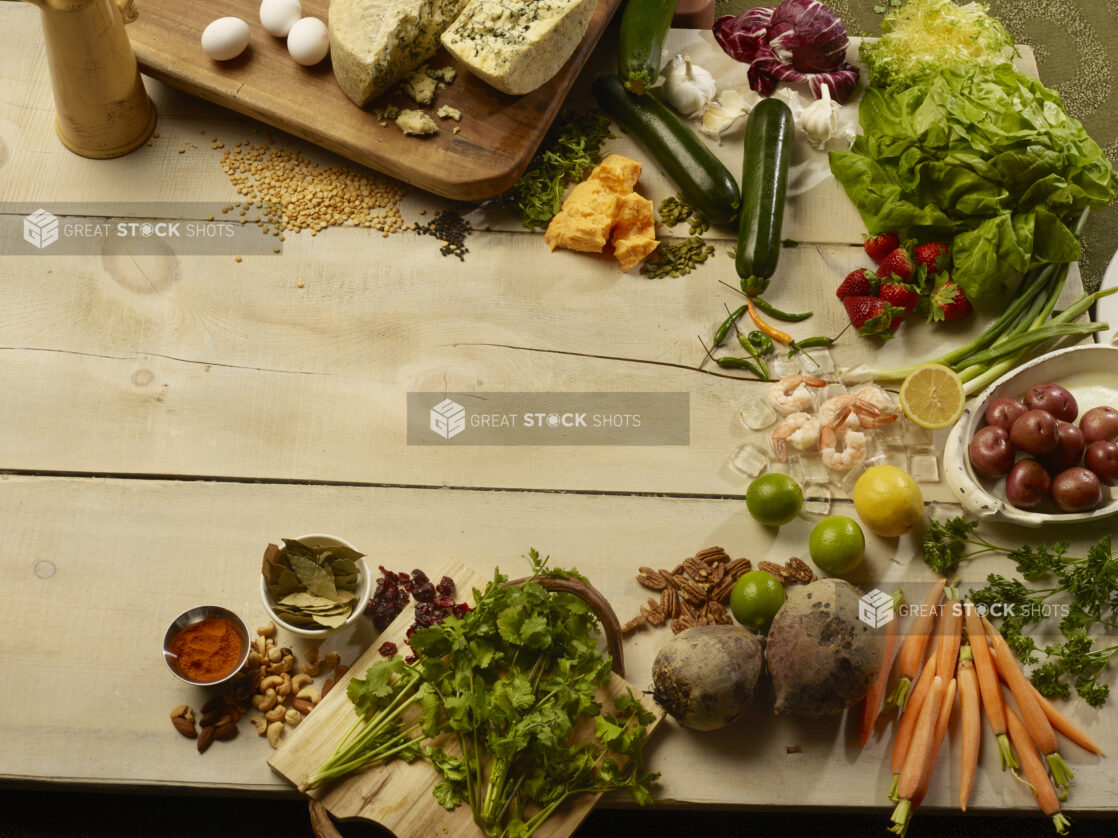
517 45
375 43
416 123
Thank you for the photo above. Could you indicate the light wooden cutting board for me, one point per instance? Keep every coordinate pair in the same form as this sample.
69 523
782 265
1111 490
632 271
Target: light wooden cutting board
398 795
499 133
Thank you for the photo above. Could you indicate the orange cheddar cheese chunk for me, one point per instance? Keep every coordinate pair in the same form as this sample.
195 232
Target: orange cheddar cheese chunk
618 173
634 233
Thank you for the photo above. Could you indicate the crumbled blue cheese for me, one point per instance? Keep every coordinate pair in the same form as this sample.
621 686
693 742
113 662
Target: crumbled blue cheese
517 45
421 86
447 112
375 43
416 123
445 74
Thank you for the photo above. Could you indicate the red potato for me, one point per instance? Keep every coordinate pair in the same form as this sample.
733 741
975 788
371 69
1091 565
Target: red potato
1076 490
1034 432
1053 399
1068 450
1100 423
1027 484
991 453
1101 457
1004 411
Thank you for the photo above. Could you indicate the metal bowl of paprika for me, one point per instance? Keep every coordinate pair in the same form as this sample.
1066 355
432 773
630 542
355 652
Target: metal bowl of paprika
206 645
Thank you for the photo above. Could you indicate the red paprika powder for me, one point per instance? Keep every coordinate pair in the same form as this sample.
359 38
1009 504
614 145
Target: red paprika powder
207 650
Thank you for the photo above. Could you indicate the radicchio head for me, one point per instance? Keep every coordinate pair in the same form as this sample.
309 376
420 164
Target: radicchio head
798 41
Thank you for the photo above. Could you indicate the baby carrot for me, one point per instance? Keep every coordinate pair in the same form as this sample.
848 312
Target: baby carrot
871 704
950 636
970 724
1036 777
919 756
1064 725
1039 728
988 683
912 650
907 724
942 719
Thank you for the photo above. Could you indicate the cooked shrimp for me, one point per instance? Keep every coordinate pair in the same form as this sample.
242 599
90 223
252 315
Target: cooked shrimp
864 410
841 448
800 430
791 394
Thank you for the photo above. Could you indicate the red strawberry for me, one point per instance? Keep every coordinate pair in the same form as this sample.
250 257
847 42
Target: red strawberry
859 283
897 266
948 304
873 316
902 296
935 256
879 246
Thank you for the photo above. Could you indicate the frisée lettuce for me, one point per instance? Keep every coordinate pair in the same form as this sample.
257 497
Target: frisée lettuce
923 35
984 155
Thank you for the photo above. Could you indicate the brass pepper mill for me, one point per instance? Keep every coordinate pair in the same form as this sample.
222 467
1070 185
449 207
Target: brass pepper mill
101 107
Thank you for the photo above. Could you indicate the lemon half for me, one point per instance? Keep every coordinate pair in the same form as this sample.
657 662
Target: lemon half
932 396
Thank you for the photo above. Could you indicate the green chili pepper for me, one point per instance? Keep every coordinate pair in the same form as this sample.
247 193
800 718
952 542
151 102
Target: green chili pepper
809 343
773 311
760 341
728 324
730 363
752 350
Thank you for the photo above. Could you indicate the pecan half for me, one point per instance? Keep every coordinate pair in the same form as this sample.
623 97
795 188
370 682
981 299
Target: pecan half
651 579
633 624
773 568
798 569
738 566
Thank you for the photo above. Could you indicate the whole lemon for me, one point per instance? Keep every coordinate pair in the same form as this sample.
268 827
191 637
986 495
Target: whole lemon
774 499
888 501
837 545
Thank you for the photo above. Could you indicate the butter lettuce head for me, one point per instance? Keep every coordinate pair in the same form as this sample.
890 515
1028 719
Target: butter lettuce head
984 156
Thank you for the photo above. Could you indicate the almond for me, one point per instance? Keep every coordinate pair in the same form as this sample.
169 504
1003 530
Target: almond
184 726
225 731
206 738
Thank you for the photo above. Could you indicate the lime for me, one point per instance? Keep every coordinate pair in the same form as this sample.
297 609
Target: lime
837 545
774 499
932 396
888 501
755 599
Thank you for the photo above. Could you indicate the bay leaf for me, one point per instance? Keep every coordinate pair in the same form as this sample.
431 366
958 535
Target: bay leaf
319 580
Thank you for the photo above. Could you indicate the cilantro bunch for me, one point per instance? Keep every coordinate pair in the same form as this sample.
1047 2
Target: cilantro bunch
514 683
1085 587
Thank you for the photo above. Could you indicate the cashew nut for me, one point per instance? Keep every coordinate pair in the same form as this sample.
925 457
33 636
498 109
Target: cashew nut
301 680
270 682
185 711
275 734
331 660
276 714
309 694
284 689
265 701
292 717
268 630
261 724
274 654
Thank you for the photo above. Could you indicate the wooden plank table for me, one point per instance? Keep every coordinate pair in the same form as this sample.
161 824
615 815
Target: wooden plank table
167 416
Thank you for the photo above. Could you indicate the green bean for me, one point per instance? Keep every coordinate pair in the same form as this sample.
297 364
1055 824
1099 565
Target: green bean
728 324
773 311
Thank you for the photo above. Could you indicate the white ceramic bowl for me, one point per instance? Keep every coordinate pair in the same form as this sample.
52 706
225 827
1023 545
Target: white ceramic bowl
1090 372
364 590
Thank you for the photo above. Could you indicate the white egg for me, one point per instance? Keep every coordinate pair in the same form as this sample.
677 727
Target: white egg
225 38
308 41
278 16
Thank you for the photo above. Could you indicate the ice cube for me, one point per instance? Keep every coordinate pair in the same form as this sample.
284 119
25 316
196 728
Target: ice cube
749 460
756 413
917 437
831 391
941 512
781 366
817 500
924 468
807 468
897 457
777 465
846 481
818 362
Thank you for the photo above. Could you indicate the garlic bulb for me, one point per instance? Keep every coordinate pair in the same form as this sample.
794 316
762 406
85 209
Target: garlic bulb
820 119
687 87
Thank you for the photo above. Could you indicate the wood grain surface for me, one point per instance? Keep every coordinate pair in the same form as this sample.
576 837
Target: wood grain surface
499 132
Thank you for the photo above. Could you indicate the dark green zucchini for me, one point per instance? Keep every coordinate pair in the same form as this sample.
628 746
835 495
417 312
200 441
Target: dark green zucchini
769 132
703 181
644 25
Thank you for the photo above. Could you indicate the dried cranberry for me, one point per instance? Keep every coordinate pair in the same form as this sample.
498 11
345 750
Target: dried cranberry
388 649
411 630
419 576
445 586
443 601
410 659
461 610
424 592
382 621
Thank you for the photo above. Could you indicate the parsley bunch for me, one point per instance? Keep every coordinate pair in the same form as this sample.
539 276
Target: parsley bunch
571 148
1088 583
514 683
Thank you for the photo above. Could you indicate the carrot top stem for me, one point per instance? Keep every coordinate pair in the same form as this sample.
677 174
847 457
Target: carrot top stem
899 696
902 816
1006 754
1061 774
